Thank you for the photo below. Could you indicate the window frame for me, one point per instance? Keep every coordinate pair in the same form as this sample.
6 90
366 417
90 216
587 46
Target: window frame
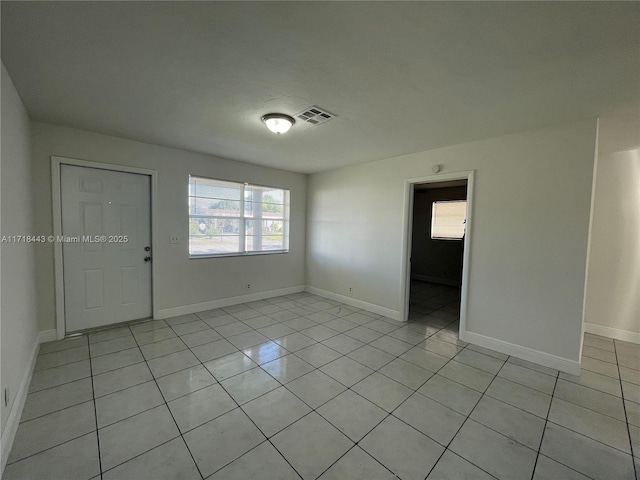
433 220
242 219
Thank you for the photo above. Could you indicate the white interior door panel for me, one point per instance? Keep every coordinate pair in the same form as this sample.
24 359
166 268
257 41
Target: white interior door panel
106 226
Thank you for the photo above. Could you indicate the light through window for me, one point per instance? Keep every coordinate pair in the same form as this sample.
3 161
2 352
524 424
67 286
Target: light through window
230 218
448 220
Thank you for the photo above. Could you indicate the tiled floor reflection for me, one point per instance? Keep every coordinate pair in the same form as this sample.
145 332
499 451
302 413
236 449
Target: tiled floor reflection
304 387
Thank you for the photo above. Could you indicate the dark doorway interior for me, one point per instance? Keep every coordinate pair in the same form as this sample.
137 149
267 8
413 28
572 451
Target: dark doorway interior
436 250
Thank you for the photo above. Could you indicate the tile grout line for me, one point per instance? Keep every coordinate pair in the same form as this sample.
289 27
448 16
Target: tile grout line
61 384
267 439
626 416
95 409
589 438
312 339
355 445
51 447
166 404
238 405
387 413
240 350
90 359
589 408
346 388
341 356
63 364
468 417
57 444
579 433
544 429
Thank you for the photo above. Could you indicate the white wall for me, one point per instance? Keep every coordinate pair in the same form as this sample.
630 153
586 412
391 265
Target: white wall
613 287
181 282
19 328
529 241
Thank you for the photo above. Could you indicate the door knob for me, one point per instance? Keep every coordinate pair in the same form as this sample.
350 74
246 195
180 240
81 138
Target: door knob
147 249
147 259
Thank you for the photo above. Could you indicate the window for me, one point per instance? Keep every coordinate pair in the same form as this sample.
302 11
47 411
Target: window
448 220
229 218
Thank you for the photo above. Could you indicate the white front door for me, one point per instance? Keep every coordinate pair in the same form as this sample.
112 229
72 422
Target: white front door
106 229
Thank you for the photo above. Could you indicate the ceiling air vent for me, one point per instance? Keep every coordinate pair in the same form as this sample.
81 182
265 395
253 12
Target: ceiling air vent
314 115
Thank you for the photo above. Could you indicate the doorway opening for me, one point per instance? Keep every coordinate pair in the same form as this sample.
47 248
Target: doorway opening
438 228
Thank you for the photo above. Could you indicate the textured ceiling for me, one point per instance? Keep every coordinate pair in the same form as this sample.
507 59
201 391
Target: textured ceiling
400 76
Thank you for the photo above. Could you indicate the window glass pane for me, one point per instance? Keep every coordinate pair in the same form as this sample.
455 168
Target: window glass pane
264 227
211 206
273 196
213 235
264 202
214 245
264 235
213 226
248 193
448 220
203 187
264 210
264 243
253 193
272 210
216 213
248 209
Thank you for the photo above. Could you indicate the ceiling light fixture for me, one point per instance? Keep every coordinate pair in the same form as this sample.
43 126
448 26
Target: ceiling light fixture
278 122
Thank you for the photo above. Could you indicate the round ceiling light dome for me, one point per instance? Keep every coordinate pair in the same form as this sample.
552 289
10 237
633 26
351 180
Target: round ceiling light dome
278 122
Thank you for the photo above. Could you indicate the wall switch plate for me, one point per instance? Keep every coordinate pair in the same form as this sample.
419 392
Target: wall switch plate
174 239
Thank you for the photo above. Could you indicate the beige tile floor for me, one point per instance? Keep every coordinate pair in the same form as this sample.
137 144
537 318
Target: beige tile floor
301 386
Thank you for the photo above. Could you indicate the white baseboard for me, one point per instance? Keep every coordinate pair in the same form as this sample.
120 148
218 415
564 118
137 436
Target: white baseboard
226 302
624 335
10 429
552 361
48 336
371 307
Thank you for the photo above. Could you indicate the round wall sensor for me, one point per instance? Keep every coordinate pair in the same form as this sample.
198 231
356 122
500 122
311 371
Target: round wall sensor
435 168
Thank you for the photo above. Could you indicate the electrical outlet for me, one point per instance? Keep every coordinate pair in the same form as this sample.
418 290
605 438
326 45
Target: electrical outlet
248 286
350 289
6 397
174 239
